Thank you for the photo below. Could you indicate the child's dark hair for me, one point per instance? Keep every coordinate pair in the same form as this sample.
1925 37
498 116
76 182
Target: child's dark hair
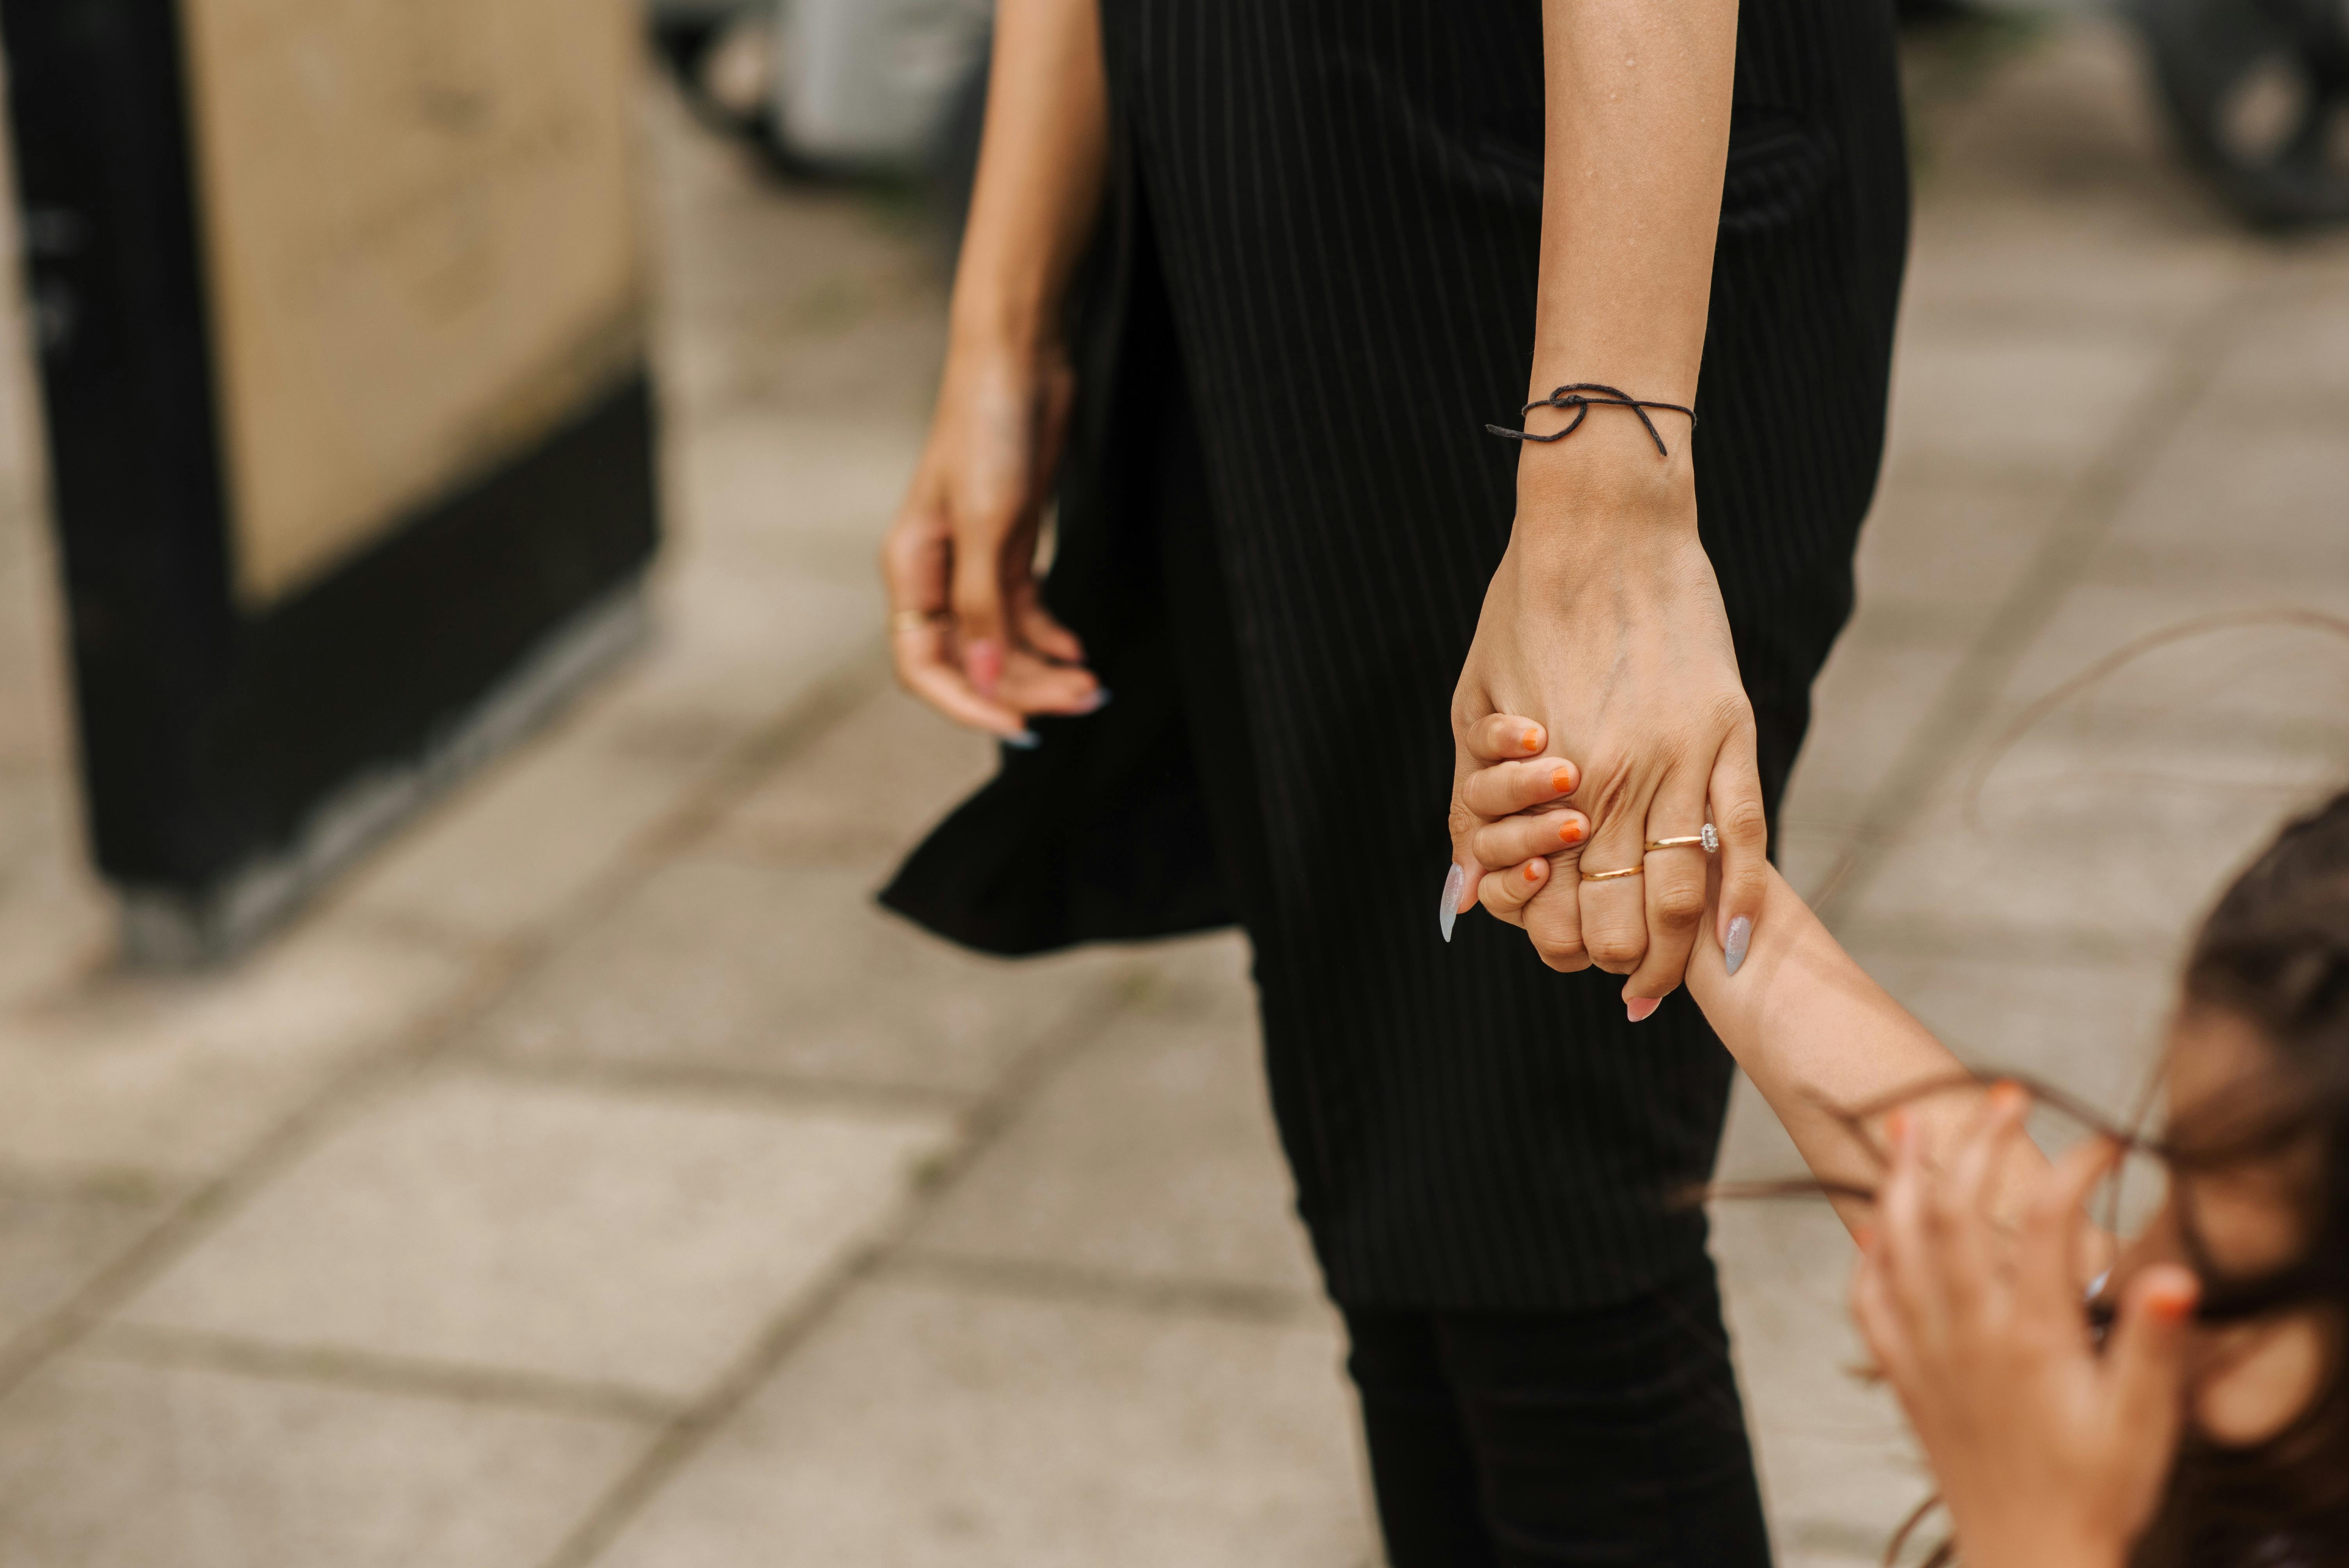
2274 954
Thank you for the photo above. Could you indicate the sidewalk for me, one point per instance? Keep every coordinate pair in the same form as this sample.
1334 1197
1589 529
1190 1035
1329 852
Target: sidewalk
598 1178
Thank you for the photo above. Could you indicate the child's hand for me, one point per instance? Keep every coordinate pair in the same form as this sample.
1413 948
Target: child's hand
1520 826
2046 1451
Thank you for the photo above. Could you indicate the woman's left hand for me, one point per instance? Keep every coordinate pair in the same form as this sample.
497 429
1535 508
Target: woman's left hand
2048 1451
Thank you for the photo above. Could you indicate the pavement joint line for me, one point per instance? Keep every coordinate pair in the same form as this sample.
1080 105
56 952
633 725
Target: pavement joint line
209 1200
707 1080
1034 1279
2060 947
98 1184
153 1345
987 1119
1972 692
498 966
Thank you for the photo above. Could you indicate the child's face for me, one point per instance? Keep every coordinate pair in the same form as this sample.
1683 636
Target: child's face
2247 1379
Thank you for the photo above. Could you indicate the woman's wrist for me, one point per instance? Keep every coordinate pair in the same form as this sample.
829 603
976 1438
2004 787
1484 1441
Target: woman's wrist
1606 484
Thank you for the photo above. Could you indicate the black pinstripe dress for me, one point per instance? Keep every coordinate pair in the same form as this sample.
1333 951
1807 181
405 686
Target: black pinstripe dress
1277 524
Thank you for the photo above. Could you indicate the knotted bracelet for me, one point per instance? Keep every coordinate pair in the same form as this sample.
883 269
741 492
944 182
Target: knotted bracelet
1572 398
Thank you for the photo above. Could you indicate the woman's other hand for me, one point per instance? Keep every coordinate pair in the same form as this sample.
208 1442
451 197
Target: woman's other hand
2047 1450
965 627
967 632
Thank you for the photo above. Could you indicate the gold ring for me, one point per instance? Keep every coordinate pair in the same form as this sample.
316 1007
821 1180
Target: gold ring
1610 876
1708 840
916 620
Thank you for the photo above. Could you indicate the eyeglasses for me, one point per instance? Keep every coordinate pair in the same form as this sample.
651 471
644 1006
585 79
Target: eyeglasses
2131 1193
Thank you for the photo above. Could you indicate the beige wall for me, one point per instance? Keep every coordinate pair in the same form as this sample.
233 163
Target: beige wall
421 246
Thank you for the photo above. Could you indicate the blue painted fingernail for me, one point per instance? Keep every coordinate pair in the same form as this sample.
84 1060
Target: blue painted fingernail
1733 952
1026 740
1099 700
1453 881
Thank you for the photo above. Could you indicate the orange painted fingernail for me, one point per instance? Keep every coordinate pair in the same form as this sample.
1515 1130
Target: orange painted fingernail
1531 740
1562 778
2008 1095
1533 871
2172 1304
1569 831
1896 1125
1863 1237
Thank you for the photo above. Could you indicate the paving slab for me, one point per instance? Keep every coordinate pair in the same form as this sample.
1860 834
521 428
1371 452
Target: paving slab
864 792
2237 499
818 492
107 1464
2015 402
177 1076
2119 819
54 1240
1839 1471
634 1241
516 848
1876 690
790 972
1151 1157
1943 555
743 640
925 1426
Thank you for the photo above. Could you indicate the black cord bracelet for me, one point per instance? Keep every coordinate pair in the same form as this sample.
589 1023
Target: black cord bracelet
1572 398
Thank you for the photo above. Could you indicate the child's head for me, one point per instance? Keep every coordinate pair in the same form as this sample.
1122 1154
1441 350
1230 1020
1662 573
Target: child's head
2259 1208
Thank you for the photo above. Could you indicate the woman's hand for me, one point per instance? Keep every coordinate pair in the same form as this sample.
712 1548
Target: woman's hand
1619 652
964 625
966 630
2047 1452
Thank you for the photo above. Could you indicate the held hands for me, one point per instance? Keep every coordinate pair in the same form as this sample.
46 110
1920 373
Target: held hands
966 630
1604 700
2047 1452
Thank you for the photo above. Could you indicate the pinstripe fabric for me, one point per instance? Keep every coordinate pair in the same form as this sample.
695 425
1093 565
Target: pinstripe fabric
1335 205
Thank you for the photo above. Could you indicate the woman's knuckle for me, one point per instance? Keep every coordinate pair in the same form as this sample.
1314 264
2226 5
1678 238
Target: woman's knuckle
1615 954
1728 710
1679 907
1745 820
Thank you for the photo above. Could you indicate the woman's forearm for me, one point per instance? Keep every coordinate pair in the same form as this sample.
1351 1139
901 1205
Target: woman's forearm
1041 165
1637 136
1817 1036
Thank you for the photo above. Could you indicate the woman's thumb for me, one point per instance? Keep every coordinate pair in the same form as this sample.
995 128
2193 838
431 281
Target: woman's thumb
2147 1358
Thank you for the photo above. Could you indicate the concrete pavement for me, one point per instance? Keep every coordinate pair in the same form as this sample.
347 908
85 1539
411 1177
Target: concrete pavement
596 1178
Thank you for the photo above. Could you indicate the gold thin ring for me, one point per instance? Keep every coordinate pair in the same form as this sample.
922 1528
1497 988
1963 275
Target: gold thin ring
1610 876
916 620
1709 840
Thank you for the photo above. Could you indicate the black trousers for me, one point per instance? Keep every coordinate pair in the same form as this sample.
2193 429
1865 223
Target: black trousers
1612 1436
1606 1436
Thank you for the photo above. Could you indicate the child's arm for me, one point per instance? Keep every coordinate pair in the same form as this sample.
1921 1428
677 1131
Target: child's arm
1818 1035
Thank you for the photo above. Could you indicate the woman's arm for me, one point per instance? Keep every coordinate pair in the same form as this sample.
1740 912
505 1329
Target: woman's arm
1605 620
967 631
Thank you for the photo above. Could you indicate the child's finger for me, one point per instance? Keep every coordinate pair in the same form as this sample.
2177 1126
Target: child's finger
2053 1224
1515 839
1508 788
1505 737
2145 1362
1505 894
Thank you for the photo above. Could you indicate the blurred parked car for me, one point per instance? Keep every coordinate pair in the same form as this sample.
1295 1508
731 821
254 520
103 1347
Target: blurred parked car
2259 92
831 86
